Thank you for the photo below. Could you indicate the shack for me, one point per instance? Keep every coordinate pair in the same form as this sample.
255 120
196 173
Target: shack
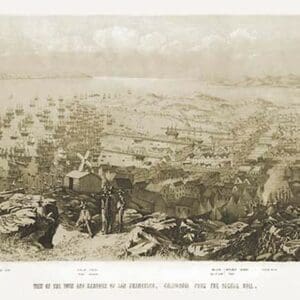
83 182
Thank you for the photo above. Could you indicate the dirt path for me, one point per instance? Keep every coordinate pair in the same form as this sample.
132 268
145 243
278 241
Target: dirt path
74 245
68 245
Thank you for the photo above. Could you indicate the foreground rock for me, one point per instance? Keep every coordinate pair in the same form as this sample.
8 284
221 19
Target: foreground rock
292 248
152 236
19 218
131 216
207 250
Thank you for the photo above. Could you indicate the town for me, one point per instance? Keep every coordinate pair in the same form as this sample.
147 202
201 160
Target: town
185 157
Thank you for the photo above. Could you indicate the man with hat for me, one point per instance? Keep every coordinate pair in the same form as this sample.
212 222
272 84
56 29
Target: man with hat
107 209
85 218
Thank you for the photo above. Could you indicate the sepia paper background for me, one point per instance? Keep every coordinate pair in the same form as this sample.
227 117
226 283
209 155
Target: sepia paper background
273 280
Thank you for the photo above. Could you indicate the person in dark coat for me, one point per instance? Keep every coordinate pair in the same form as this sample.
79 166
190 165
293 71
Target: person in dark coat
108 209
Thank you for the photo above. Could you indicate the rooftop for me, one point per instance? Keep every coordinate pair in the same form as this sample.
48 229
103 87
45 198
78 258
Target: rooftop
77 174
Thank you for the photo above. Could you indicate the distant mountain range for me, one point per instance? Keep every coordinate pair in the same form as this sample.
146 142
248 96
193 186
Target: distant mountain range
8 76
290 80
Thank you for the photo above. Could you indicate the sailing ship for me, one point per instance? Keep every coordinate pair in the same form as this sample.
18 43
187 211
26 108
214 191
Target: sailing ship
6 122
109 119
24 131
61 116
31 140
32 104
39 113
49 125
61 108
14 135
51 102
172 131
28 120
1 131
46 111
10 113
19 110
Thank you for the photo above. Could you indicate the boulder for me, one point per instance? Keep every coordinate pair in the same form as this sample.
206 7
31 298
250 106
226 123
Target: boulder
159 222
18 217
152 234
264 257
292 248
191 231
146 241
131 216
228 231
208 249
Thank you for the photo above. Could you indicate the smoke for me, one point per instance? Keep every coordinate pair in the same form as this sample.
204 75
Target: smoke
274 182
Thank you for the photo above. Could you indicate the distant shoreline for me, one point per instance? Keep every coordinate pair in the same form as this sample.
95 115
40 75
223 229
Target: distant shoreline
85 76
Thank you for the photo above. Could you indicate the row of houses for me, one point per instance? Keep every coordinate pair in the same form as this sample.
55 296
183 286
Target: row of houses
202 196
177 197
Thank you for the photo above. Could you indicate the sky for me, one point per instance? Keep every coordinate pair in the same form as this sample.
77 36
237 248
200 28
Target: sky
206 47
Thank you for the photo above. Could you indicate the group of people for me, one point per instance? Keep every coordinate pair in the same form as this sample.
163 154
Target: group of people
112 205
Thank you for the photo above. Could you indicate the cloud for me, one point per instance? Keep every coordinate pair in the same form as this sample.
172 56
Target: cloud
243 33
161 46
120 39
117 38
152 42
213 40
174 47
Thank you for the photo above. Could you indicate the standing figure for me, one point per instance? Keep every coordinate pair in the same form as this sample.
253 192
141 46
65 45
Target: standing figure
104 213
40 209
47 221
108 210
85 219
120 209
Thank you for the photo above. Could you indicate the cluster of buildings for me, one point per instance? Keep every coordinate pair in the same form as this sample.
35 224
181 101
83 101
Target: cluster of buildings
184 196
217 172
176 192
219 184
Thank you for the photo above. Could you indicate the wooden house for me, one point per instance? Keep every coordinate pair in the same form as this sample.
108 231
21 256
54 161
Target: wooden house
82 182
